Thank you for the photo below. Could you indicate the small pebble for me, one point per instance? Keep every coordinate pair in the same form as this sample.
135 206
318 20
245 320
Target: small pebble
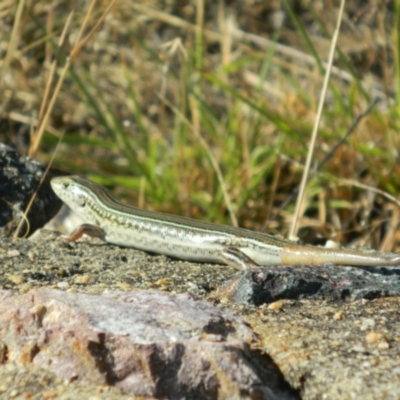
384 345
338 316
373 337
17 279
164 282
124 285
83 279
63 285
276 305
13 253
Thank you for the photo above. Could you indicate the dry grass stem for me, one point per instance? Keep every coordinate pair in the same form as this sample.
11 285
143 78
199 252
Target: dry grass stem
300 198
13 43
74 53
37 136
24 217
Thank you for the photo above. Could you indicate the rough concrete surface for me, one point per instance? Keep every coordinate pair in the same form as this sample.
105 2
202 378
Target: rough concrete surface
334 350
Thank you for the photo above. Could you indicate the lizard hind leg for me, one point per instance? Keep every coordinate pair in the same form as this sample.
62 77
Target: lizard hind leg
237 259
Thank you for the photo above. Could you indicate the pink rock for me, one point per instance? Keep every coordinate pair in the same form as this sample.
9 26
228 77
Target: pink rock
147 343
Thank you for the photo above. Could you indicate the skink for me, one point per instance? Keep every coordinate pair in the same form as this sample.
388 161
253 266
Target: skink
191 239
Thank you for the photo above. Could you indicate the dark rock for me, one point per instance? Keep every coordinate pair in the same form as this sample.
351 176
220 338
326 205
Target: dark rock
19 179
268 284
146 343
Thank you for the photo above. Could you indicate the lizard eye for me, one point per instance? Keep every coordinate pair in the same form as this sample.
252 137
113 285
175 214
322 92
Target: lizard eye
66 184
